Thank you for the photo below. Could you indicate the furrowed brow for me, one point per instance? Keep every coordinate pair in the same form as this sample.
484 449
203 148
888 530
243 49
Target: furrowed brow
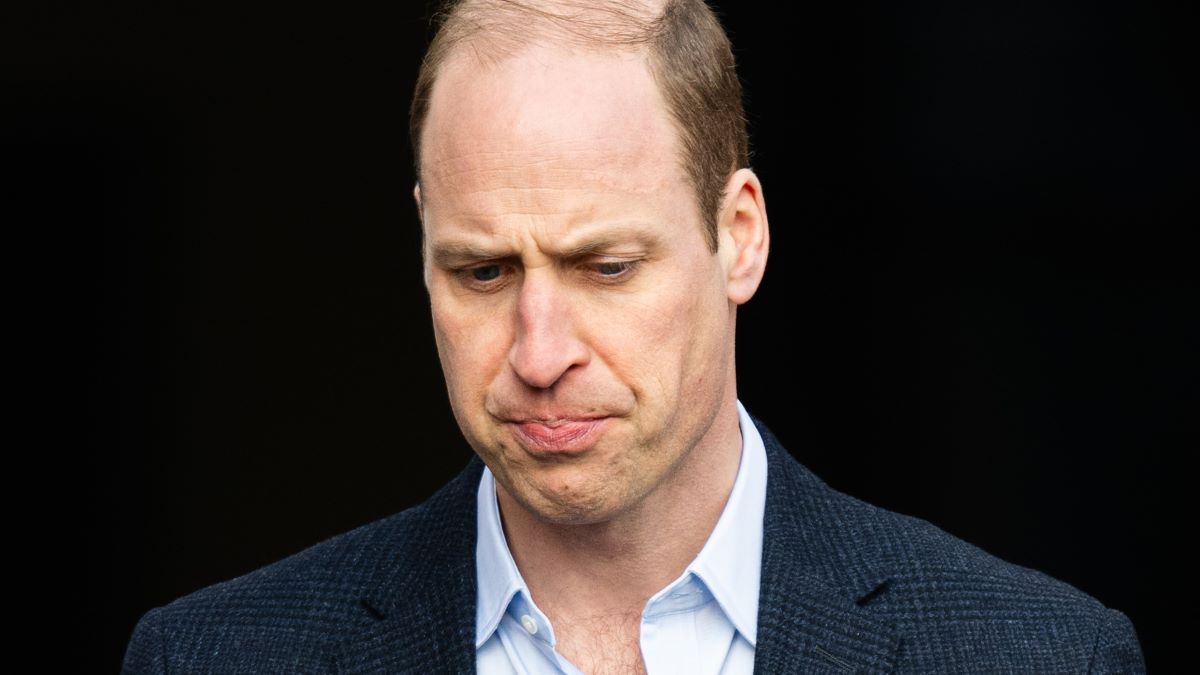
458 254
608 241
455 254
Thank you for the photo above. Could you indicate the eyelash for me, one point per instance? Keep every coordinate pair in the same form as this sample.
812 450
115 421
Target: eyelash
626 270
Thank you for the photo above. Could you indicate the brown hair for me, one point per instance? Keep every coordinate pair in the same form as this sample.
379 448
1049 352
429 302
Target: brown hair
689 57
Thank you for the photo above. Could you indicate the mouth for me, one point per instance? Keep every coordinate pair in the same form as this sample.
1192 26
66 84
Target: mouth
561 436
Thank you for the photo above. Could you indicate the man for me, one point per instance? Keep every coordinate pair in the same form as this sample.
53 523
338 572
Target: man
591 227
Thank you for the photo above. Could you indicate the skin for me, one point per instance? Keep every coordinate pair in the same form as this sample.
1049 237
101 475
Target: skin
585 330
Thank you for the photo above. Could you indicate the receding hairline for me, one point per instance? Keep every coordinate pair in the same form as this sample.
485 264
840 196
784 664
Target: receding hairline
630 23
655 133
686 49
490 32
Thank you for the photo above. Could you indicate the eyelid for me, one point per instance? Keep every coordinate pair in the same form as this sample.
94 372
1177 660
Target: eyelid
589 264
629 267
464 274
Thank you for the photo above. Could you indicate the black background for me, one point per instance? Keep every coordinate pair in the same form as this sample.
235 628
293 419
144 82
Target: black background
980 307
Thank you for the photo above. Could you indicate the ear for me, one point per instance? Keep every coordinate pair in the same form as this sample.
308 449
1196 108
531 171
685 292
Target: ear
417 198
744 238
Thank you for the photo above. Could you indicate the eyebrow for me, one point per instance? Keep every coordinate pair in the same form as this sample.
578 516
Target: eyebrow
609 239
458 253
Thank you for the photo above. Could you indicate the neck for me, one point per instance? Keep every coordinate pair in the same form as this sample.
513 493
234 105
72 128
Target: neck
615 566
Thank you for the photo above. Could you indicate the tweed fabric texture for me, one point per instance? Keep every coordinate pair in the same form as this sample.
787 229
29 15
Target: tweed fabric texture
846 587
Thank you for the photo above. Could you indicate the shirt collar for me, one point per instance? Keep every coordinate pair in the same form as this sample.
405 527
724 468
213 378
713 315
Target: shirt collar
497 579
729 564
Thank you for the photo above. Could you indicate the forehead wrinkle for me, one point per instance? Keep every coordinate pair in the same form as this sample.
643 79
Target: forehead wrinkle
568 200
602 237
551 187
454 251
563 192
504 208
548 166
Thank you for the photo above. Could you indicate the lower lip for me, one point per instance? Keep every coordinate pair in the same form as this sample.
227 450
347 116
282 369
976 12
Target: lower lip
560 439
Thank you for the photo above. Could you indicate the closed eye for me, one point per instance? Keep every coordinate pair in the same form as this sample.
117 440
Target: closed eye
492 276
614 270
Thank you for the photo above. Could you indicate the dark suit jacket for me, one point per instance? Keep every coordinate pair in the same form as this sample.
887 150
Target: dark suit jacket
846 588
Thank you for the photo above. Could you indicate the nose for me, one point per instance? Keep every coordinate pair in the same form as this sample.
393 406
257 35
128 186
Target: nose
547 344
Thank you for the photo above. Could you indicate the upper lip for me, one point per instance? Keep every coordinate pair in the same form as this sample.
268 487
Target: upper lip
556 420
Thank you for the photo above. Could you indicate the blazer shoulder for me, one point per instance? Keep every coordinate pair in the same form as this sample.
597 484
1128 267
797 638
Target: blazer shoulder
847 540
288 614
282 616
917 549
948 600
955 600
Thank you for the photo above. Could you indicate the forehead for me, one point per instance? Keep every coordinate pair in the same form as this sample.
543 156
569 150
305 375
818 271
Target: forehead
547 118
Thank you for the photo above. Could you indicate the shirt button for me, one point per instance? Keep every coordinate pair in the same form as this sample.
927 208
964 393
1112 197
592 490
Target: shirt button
529 624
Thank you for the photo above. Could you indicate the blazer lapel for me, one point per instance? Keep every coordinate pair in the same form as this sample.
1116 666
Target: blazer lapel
813 612
813 598
423 601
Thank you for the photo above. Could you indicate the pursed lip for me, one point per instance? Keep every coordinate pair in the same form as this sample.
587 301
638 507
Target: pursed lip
558 436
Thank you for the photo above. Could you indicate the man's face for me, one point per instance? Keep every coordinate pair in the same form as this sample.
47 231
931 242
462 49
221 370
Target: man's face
582 322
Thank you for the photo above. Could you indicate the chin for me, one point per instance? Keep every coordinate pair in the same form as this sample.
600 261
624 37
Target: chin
564 506
570 514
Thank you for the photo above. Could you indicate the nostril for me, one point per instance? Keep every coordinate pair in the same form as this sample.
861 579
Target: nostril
542 358
547 344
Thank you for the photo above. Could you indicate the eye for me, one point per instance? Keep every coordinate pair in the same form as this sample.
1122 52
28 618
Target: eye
613 270
485 273
484 278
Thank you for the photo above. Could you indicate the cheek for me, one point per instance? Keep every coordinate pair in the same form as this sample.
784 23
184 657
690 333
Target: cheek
698 333
661 342
471 346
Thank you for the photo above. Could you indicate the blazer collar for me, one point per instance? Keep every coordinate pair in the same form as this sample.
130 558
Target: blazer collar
423 599
817 582
813 612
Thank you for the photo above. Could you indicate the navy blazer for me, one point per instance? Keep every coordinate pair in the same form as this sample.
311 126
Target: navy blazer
847 587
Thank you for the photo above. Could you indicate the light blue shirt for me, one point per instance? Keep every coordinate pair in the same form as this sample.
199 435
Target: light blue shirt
704 623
